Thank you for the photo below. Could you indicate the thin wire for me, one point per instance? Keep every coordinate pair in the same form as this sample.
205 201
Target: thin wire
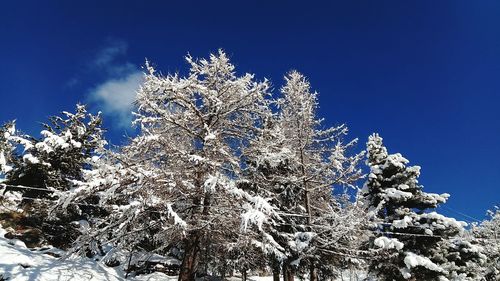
460 213
25 187
280 213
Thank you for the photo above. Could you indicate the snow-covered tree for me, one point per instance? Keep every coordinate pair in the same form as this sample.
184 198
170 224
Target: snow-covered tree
174 183
426 243
50 164
296 164
9 159
7 149
487 234
321 156
272 173
61 154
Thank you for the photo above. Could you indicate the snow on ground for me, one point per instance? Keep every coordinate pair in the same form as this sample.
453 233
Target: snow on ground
18 263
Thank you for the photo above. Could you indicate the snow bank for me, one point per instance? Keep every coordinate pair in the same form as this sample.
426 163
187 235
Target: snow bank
20 263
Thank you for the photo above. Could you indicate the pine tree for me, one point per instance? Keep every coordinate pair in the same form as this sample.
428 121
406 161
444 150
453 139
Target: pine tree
487 235
52 164
174 184
296 164
272 173
8 157
322 158
425 243
60 156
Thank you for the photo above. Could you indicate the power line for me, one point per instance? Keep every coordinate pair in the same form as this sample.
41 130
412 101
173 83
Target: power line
6 186
219 207
460 213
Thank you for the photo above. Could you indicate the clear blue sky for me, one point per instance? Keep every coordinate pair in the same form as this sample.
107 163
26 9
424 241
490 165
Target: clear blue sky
424 74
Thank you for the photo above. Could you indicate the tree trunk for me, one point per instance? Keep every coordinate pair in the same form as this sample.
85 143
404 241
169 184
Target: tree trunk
190 261
276 274
288 274
128 264
313 275
224 269
192 243
243 275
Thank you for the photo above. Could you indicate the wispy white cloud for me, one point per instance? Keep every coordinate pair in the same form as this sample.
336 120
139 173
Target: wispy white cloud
110 59
116 94
110 52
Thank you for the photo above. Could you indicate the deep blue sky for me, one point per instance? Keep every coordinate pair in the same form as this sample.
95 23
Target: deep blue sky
424 74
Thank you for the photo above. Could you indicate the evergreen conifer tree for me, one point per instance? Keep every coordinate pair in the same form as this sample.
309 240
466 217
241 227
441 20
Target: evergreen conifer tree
52 164
295 164
425 242
61 155
487 235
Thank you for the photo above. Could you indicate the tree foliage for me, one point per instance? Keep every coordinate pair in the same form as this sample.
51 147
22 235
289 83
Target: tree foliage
427 245
224 176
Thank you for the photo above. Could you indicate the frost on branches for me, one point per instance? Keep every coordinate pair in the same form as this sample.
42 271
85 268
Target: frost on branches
214 173
426 244
224 177
7 150
295 163
487 235
37 169
59 156
174 184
